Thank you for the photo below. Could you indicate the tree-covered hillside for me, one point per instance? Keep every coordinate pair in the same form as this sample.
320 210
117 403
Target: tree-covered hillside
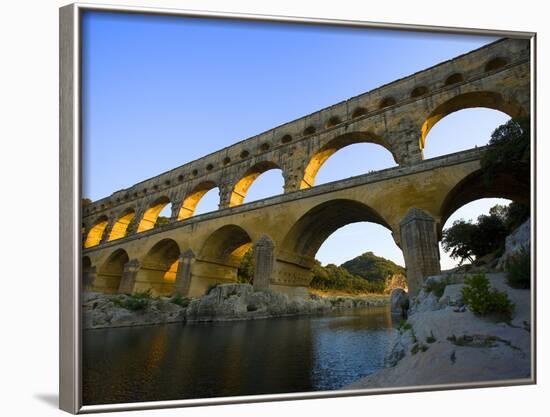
373 274
372 267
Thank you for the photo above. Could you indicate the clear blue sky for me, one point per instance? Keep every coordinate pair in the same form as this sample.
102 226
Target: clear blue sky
162 91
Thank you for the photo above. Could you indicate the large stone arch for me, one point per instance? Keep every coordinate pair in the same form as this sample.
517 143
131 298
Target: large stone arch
95 234
486 99
158 268
193 198
334 145
120 227
296 255
240 189
109 274
151 214
475 186
219 257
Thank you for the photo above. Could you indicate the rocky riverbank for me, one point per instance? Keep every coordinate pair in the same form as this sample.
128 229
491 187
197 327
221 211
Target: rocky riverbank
444 342
223 303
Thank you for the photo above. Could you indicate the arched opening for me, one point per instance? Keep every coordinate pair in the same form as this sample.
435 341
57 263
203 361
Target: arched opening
313 228
419 91
353 225
475 187
261 181
310 130
358 112
219 258
120 228
151 215
495 64
158 268
110 273
387 102
372 156
470 213
333 121
164 215
462 130
454 79
485 99
202 199
474 196
96 232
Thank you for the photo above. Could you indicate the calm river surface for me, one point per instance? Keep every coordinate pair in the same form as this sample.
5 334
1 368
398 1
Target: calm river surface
283 355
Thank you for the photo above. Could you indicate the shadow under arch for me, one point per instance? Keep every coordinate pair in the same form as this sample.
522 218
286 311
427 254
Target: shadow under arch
158 268
238 194
193 198
310 231
486 99
474 187
120 228
334 145
110 272
219 258
151 215
96 232
88 273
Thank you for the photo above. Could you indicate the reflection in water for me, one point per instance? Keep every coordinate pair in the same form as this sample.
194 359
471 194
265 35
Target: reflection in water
283 355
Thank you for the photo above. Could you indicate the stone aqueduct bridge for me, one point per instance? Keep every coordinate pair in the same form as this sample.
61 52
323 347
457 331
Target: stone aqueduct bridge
124 252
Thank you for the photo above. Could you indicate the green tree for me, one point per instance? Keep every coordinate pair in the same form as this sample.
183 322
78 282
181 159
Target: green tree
509 152
458 240
245 271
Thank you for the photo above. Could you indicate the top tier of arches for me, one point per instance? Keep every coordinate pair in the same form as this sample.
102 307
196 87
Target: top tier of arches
397 116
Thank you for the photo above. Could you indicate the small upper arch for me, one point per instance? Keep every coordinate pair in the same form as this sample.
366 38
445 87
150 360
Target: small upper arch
495 63
454 78
419 91
387 102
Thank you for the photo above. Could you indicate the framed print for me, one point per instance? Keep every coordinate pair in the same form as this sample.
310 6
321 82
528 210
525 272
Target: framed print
257 208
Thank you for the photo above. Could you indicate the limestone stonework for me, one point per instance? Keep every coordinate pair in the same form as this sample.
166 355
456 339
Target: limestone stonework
397 116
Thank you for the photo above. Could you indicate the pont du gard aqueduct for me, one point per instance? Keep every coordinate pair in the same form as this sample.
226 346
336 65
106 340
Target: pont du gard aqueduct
124 252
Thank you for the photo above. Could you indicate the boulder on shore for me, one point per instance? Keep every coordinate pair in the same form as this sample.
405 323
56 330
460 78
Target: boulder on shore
399 300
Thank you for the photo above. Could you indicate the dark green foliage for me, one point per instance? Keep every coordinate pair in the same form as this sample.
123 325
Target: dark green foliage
458 240
431 338
180 300
508 152
466 240
161 221
245 272
484 300
516 215
519 270
332 277
404 325
134 302
372 267
436 287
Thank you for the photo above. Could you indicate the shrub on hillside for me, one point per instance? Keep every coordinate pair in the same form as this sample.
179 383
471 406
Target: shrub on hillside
484 300
519 270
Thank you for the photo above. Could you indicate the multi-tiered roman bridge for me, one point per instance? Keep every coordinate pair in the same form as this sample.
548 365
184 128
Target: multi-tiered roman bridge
124 251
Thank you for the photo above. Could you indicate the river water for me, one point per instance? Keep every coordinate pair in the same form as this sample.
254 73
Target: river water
284 355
